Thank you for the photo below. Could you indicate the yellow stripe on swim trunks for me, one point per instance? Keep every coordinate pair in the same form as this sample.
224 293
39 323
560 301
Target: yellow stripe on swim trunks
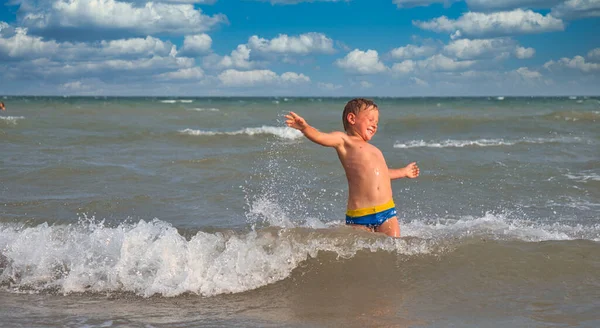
370 210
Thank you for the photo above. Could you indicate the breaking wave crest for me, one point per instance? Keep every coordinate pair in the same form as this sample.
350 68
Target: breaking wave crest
450 143
281 132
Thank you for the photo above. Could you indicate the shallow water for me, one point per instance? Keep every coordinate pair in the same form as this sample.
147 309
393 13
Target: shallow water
209 211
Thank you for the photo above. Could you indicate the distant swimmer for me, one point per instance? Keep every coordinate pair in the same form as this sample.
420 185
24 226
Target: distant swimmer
2 105
370 203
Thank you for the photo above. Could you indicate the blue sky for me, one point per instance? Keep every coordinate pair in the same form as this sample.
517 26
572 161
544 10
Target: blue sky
398 48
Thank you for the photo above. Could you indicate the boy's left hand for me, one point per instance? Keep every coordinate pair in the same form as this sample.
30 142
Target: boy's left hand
412 170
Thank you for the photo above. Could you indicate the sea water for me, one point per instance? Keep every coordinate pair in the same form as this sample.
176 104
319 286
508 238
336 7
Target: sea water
173 212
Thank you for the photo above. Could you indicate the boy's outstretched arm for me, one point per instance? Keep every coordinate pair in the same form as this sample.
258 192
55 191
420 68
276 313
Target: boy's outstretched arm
409 171
334 139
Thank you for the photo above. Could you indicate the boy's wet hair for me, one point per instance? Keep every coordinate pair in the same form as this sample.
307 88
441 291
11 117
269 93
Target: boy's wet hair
354 106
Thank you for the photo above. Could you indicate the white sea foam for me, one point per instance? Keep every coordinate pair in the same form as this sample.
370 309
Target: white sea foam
200 109
152 258
12 120
281 132
172 101
584 176
481 142
498 226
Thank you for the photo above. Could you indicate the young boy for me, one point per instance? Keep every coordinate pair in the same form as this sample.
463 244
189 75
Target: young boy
2 106
370 203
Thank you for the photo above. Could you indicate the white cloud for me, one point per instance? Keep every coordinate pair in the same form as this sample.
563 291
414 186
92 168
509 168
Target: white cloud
594 54
411 51
292 77
329 86
191 73
524 53
194 45
362 62
526 73
419 82
136 46
420 3
239 58
235 78
366 84
498 48
405 67
479 48
150 18
293 2
577 63
487 5
494 24
441 63
573 9
205 2
17 44
301 45
74 86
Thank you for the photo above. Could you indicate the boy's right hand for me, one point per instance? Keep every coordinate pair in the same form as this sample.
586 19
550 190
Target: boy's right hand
293 120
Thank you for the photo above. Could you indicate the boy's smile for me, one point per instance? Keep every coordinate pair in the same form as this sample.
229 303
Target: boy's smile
365 123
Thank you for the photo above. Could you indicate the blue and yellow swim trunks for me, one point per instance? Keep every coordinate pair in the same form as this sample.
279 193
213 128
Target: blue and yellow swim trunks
371 216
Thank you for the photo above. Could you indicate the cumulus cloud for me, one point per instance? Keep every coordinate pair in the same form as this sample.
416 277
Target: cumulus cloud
329 86
577 63
111 15
441 63
195 45
594 54
412 51
294 45
191 73
366 84
405 67
524 53
526 73
362 62
494 24
420 3
239 58
489 5
478 48
498 48
293 2
573 9
419 82
235 78
292 77
18 44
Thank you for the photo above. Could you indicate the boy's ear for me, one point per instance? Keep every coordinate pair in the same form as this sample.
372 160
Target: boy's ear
351 117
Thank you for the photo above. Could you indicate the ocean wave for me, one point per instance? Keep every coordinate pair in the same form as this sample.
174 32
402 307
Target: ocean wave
199 109
11 120
172 101
152 258
450 143
499 227
584 176
281 132
574 116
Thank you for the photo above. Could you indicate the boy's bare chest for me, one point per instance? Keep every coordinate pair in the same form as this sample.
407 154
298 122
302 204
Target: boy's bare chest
365 154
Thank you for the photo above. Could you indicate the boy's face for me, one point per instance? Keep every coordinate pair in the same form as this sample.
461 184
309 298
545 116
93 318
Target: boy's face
365 123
